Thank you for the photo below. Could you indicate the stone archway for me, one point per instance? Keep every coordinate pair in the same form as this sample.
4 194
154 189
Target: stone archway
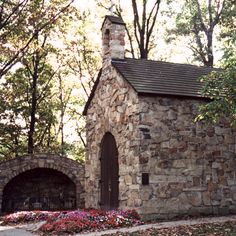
39 188
65 174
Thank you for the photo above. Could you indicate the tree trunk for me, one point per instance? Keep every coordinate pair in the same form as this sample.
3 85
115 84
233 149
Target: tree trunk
210 48
16 146
143 26
143 54
33 106
62 114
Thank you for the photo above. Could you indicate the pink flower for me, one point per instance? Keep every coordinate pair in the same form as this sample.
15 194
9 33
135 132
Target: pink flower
62 222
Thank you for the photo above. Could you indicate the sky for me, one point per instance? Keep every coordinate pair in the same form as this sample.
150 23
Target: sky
178 54
175 51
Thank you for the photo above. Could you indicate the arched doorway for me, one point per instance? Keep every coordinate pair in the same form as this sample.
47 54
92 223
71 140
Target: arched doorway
109 173
39 189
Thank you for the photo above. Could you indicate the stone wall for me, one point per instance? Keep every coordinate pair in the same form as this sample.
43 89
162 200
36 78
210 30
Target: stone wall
14 169
113 109
191 166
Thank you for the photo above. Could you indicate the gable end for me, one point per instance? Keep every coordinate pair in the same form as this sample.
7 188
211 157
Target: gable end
92 93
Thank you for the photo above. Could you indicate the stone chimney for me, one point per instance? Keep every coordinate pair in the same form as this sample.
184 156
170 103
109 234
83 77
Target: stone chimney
113 39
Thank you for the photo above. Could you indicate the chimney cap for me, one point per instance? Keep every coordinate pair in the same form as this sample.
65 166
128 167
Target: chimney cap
114 19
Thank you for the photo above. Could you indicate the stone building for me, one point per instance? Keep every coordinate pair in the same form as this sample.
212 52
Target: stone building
144 150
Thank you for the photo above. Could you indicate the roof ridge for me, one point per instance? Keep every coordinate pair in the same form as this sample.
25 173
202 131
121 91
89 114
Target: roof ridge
114 19
166 62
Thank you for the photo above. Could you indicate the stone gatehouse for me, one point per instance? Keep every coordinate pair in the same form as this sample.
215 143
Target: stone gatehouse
42 181
144 150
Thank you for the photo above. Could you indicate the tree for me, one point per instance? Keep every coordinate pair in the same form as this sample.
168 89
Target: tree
42 98
81 55
31 121
40 76
16 16
142 27
221 86
199 20
81 60
29 101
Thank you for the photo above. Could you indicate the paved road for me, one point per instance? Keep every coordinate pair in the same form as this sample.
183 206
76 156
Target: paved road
19 230
14 232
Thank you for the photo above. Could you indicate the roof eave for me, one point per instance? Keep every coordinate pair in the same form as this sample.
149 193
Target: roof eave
198 97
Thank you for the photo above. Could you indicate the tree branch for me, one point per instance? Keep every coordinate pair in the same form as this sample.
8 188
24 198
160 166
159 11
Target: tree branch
210 11
149 30
8 19
136 21
200 17
7 66
218 13
118 13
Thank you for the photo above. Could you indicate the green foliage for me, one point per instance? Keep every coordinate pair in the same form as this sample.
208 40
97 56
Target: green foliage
20 23
186 20
228 34
76 151
200 21
48 71
81 55
221 88
16 95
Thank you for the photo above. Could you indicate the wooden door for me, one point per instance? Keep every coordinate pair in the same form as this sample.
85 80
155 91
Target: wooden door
109 173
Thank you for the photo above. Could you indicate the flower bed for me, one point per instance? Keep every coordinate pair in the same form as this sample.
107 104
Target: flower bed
28 216
76 221
90 220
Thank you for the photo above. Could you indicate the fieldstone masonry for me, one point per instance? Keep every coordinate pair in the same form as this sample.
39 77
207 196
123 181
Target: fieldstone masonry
64 168
114 109
113 41
190 166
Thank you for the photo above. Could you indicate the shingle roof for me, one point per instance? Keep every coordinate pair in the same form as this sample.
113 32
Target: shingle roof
158 78
114 20
162 78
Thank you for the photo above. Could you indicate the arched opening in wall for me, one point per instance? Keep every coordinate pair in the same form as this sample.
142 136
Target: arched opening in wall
106 42
109 173
39 189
